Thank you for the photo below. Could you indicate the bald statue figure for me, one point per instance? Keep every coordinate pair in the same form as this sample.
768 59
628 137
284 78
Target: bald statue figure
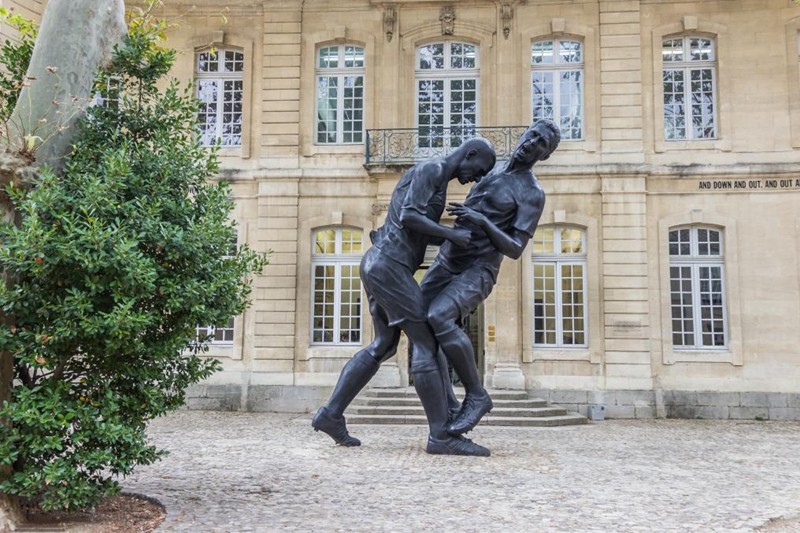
395 299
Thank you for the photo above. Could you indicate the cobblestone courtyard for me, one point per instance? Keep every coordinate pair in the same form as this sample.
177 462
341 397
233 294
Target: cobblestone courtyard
236 472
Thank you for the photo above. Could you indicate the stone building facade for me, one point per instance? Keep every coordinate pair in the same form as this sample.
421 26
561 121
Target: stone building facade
664 278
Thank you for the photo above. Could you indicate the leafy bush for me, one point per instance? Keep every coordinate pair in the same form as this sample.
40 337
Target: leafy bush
14 57
114 264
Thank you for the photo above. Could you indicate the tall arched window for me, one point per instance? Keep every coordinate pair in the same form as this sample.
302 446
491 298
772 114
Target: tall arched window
559 287
220 89
336 286
340 94
557 84
697 288
447 93
689 77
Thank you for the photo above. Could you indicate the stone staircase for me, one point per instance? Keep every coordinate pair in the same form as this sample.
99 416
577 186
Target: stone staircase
511 408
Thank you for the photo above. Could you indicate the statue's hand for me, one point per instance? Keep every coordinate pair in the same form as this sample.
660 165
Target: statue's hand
460 237
466 213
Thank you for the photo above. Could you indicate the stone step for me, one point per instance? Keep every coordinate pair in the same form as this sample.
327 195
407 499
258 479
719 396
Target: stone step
414 401
536 412
488 420
403 392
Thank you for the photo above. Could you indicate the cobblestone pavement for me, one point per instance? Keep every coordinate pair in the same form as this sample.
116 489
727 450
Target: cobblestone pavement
237 472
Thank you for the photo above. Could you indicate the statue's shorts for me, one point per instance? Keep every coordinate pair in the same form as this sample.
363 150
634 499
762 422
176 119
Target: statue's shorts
392 288
466 289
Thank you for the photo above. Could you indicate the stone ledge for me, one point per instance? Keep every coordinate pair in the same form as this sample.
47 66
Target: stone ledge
623 404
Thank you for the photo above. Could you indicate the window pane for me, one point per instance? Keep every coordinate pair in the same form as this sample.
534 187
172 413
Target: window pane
674 105
353 57
350 310
328 57
431 57
462 56
570 110
681 306
701 49
711 305
570 52
234 61
543 95
431 113
542 53
325 242
353 102
207 62
702 94
571 241
231 134
351 241
679 242
572 304
327 108
207 115
672 50
544 315
544 240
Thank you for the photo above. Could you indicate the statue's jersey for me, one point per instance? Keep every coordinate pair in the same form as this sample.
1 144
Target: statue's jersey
509 202
418 191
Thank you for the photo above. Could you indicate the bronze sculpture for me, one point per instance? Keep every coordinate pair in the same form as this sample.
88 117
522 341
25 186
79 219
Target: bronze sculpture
395 300
498 218
501 212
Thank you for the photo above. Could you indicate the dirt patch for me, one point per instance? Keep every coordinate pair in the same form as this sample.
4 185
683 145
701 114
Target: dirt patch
125 513
781 525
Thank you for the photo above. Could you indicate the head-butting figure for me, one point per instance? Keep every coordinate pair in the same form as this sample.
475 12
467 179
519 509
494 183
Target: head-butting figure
475 157
537 143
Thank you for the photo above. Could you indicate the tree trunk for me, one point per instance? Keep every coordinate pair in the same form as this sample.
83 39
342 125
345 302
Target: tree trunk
75 39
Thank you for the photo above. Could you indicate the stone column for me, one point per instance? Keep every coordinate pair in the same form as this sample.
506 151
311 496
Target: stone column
504 315
621 81
625 282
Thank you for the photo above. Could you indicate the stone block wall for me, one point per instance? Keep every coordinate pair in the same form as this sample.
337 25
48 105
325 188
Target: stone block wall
679 404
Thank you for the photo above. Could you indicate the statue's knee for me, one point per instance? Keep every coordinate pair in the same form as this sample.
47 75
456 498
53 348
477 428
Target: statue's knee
423 364
435 318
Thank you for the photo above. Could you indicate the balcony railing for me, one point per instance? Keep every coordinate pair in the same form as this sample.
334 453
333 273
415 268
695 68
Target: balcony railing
406 146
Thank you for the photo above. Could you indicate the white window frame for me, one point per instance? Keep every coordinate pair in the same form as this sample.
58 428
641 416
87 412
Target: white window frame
220 76
228 330
212 331
340 72
686 66
337 260
447 74
556 68
558 259
695 262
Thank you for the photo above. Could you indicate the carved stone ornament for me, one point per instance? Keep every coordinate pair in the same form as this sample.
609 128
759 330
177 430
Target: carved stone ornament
389 18
379 208
506 14
448 18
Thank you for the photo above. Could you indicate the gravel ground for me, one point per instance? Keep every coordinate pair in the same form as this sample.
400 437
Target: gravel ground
240 472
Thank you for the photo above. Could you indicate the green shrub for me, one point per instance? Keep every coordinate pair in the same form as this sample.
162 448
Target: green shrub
113 265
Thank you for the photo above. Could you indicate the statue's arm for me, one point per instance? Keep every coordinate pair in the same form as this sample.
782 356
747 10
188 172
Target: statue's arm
413 213
512 243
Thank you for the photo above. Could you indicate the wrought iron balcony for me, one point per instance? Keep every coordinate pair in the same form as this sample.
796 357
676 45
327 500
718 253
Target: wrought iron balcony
406 146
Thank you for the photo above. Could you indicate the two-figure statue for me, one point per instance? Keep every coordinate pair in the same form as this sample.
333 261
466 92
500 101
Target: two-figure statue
497 219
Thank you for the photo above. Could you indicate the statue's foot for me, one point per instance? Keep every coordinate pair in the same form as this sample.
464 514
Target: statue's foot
334 426
455 445
472 411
